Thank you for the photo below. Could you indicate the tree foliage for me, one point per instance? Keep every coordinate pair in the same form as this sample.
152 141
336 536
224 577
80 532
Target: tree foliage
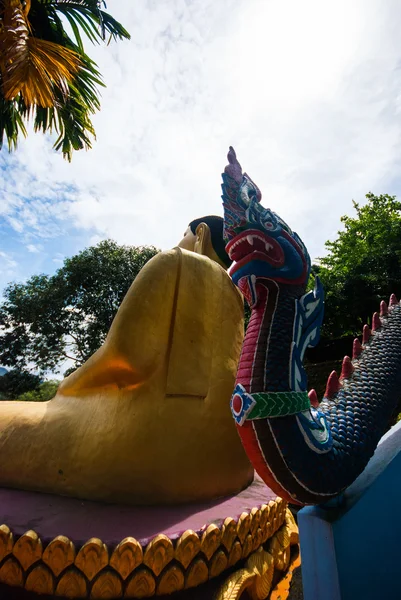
46 391
15 382
50 319
46 74
363 265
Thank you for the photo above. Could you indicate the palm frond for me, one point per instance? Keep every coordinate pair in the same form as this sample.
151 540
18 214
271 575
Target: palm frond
94 22
11 121
31 66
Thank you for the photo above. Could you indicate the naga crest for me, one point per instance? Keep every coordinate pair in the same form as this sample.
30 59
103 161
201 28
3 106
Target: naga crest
259 242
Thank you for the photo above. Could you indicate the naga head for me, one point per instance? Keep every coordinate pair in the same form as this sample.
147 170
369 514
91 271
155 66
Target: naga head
259 242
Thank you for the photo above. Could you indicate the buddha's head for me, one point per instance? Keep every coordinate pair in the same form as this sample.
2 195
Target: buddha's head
205 236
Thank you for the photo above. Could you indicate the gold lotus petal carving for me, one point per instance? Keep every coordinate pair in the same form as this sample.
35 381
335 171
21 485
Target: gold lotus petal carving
72 585
274 547
256 578
6 541
127 556
263 564
141 585
283 559
187 548
235 554
11 573
264 515
40 581
255 520
235 585
28 549
218 563
107 586
229 533
197 573
158 554
283 536
267 532
247 546
273 508
257 539
244 523
59 554
92 558
171 581
292 526
211 540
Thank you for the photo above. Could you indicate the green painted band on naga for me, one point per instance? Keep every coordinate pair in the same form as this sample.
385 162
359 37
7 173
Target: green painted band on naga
278 404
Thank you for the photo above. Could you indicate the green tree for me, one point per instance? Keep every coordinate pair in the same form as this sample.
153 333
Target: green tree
67 315
46 391
16 382
45 74
363 265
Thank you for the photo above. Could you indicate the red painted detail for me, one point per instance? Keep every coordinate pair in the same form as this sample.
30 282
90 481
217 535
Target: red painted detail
249 347
366 333
383 309
314 400
261 247
333 385
347 368
393 300
252 449
376 323
356 348
237 404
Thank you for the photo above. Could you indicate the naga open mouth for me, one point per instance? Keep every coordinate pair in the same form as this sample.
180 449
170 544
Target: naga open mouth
253 244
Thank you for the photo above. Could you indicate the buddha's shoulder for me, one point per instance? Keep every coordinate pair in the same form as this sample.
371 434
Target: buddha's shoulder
179 255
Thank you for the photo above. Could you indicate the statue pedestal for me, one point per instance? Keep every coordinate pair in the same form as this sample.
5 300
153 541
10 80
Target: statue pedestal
353 551
67 547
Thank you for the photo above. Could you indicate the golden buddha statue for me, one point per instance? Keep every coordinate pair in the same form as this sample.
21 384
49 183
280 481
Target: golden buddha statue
146 420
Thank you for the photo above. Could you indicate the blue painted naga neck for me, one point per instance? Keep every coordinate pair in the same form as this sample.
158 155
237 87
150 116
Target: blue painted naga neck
305 451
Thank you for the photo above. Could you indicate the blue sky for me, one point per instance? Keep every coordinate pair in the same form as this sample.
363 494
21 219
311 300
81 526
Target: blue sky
308 93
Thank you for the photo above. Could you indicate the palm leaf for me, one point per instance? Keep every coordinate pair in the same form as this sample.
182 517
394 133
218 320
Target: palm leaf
87 14
46 74
32 66
11 121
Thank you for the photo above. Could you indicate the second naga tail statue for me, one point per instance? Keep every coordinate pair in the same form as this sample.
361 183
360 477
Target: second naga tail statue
306 451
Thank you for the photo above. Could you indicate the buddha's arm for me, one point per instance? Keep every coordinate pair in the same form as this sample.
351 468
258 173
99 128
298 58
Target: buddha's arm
139 338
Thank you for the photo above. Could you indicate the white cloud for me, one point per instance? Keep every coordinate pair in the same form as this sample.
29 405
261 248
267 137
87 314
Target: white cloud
309 94
33 248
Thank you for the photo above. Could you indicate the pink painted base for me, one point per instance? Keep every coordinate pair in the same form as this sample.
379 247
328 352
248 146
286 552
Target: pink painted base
50 516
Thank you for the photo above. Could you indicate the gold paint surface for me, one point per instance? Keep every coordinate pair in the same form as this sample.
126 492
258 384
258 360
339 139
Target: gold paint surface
218 564
211 540
158 568
127 556
257 576
11 573
197 574
141 585
72 585
59 554
187 547
28 549
146 420
171 581
159 553
6 541
40 581
107 586
92 557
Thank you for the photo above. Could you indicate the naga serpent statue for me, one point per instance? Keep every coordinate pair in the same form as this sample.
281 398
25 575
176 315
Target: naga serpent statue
306 451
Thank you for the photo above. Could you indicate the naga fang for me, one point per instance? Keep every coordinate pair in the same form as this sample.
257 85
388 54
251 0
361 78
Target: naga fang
307 452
